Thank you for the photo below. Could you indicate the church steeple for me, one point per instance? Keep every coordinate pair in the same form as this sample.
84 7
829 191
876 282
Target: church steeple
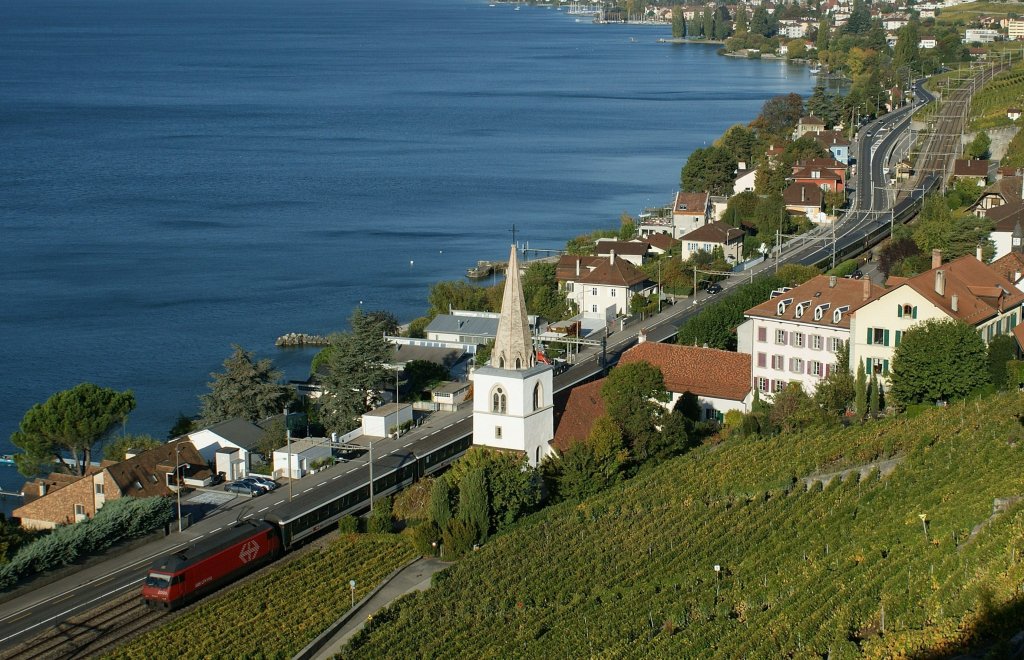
513 345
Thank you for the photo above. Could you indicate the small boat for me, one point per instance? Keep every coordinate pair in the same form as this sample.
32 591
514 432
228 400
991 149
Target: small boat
518 8
815 70
6 459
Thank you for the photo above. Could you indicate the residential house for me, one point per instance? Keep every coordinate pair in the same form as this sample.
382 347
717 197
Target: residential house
1006 190
795 334
660 243
927 42
1015 29
1013 114
808 124
965 289
448 395
718 380
689 211
836 143
384 421
745 179
806 199
227 446
980 35
772 154
826 173
303 454
1011 266
715 235
1006 234
719 205
974 169
635 252
469 327
61 499
602 287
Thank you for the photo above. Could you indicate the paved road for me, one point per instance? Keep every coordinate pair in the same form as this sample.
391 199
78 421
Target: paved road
415 577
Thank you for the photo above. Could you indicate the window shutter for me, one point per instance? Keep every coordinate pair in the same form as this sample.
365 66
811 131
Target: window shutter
913 312
885 337
828 370
899 336
762 359
869 336
899 311
885 367
762 334
867 365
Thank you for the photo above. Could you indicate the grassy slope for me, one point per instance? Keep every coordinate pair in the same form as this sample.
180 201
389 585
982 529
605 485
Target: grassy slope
629 572
989 105
279 612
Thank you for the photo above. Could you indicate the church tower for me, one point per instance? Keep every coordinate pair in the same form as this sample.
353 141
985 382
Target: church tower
512 395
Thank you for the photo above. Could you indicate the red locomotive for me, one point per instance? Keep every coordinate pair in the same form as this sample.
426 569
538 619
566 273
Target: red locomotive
184 576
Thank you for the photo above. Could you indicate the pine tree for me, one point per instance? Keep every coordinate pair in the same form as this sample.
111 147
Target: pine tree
873 397
247 388
709 25
474 508
678 22
860 401
741 19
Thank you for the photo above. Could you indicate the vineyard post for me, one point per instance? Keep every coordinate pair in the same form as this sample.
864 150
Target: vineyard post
924 524
352 587
718 581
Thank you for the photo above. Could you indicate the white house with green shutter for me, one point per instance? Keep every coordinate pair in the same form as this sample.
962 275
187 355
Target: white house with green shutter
965 289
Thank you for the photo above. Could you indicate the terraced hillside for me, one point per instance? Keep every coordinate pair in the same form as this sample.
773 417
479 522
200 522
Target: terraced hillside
843 570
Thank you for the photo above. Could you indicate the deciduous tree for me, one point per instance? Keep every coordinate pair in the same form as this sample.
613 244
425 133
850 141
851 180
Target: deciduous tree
938 360
631 394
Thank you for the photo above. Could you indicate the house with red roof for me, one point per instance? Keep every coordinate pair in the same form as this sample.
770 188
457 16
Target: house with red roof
602 287
795 334
583 407
715 235
826 173
718 380
965 289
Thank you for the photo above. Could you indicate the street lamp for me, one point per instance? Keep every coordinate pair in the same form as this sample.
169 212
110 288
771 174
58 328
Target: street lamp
177 479
718 581
352 587
288 441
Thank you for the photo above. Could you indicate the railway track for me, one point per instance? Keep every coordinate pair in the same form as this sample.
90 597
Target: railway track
91 633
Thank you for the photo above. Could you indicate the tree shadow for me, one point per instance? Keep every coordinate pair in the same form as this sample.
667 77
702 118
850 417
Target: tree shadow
998 634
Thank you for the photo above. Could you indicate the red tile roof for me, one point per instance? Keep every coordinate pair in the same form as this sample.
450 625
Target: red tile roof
700 371
1010 266
614 273
1018 334
661 241
981 291
827 163
970 167
715 232
583 407
692 203
603 248
565 269
831 139
803 194
818 291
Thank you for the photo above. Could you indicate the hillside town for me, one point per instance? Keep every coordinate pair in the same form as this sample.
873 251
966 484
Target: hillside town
815 271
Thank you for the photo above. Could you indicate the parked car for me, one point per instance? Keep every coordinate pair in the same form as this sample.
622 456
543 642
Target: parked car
243 489
265 480
714 288
253 482
217 479
857 274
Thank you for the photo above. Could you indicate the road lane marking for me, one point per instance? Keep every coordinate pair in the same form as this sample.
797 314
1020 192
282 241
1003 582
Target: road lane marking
337 476
215 530
307 490
77 607
264 509
352 470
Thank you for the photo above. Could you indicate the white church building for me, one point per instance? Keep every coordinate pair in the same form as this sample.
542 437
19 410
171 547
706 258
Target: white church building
512 395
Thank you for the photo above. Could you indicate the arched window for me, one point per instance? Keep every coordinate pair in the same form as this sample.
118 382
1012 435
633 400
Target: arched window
499 403
501 361
537 397
519 362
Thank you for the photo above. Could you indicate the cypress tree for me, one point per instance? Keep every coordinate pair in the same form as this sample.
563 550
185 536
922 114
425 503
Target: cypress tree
860 400
873 397
474 508
441 502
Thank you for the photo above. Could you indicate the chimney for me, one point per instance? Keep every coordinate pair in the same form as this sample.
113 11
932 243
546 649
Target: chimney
940 282
334 437
936 258
867 287
577 266
742 165
954 303
832 281
612 256
42 489
979 256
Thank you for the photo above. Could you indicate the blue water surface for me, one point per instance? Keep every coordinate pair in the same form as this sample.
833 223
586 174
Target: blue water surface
180 176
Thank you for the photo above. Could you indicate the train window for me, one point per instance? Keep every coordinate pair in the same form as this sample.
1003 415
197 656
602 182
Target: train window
158 580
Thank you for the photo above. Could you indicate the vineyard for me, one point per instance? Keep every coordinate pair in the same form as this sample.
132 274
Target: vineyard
989 105
280 612
911 564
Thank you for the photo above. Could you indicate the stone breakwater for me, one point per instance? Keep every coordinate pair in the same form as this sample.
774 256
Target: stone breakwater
301 339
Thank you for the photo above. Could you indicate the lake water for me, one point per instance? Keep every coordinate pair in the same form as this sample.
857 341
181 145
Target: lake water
179 176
